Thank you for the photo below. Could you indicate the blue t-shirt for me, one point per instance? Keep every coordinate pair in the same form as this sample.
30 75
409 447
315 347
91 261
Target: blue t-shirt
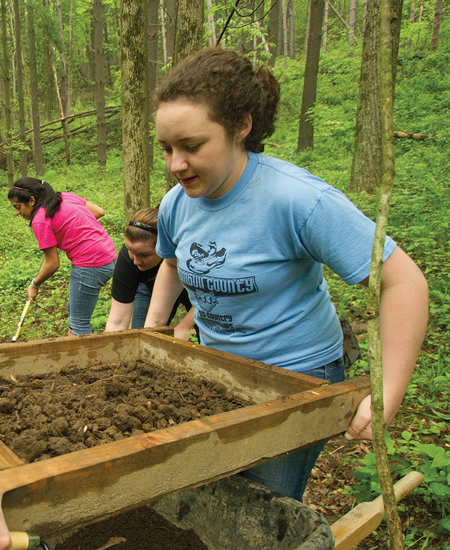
252 259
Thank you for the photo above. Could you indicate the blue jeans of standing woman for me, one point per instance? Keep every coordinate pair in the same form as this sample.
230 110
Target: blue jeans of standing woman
84 288
141 304
289 474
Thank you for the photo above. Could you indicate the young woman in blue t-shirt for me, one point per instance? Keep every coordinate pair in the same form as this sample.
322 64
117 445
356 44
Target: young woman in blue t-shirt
247 236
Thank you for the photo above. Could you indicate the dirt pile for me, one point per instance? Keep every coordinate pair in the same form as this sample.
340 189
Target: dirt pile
49 415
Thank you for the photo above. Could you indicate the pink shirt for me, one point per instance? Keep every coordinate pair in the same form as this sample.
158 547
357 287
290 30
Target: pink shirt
75 229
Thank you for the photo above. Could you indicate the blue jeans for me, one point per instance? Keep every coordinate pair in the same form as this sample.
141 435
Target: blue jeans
289 474
84 288
141 303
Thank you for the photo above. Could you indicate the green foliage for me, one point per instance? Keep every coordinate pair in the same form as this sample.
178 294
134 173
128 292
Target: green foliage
433 461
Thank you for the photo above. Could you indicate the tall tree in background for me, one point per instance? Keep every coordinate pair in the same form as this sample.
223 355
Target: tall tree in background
189 29
6 95
153 7
212 38
62 93
306 127
284 32
273 31
20 94
411 20
37 145
352 25
171 16
291 28
134 63
325 27
436 25
366 165
70 64
100 84
47 69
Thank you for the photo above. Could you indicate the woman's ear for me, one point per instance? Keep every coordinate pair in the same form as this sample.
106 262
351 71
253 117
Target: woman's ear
32 201
245 129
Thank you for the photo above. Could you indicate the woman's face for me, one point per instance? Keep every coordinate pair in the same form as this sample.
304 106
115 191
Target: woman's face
198 151
143 254
23 209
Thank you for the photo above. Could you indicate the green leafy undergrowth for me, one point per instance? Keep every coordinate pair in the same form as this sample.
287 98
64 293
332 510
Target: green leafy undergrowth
432 460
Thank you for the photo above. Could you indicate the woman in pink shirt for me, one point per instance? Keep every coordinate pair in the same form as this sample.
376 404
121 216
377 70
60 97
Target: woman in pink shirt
70 223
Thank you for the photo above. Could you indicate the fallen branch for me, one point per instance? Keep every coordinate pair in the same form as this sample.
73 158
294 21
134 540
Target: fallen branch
111 110
407 135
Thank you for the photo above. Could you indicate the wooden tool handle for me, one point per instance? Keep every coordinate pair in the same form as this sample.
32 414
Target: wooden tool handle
24 541
366 517
19 540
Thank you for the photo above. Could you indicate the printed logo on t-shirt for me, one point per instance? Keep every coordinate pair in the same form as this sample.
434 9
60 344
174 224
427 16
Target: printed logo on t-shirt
209 289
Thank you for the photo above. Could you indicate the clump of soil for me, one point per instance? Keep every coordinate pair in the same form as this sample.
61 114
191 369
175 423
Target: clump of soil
49 415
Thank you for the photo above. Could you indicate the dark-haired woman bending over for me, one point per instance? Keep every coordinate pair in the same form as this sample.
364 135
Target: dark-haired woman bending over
67 222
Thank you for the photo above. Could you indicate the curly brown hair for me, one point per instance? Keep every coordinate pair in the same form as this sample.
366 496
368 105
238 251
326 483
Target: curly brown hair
232 90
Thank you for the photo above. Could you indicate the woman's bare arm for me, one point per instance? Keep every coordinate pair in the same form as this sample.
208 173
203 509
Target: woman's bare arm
403 322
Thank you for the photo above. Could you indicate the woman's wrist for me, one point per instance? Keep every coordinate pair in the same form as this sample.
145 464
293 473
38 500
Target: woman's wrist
34 285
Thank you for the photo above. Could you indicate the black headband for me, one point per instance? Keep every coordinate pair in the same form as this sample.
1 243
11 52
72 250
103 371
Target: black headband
143 226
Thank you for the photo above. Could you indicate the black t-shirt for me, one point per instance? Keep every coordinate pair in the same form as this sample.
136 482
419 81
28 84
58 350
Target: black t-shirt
127 277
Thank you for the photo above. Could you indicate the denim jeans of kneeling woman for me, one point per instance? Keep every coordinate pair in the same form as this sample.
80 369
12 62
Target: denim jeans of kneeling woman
84 289
289 474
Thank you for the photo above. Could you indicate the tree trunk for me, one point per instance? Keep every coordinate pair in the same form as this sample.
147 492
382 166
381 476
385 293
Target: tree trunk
37 145
325 27
306 127
63 85
12 58
134 28
291 28
63 82
20 94
171 16
7 96
153 26
70 67
273 32
352 25
163 32
366 165
411 20
436 25
364 16
47 70
212 38
255 39
376 364
280 35
100 84
285 32
189 29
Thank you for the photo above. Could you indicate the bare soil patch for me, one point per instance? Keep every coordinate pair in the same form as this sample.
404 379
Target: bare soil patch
140 529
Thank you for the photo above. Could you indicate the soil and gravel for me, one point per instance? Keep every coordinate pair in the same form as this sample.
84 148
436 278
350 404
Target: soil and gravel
58 413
